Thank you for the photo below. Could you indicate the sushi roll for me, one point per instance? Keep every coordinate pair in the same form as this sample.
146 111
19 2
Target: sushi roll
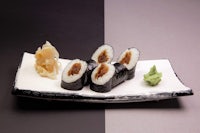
102 77
74 76
104 54
129 59
121 73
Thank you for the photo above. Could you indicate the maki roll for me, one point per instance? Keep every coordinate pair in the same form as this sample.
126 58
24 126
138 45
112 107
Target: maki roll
102 77
74 76
129 59
120 75
104 54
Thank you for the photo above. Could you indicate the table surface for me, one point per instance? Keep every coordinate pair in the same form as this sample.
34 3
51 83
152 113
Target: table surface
158 28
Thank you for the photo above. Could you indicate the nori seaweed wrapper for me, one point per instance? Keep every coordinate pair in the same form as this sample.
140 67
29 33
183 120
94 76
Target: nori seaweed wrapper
76 85
121 74
91 66
102 88
131 73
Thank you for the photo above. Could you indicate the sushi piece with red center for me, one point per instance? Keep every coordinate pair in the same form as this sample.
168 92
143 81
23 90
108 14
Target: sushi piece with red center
102 78
129 59
74 76
104 54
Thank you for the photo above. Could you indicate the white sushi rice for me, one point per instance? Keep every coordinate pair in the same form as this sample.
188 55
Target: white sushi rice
106 77
71 78
109 52
133 60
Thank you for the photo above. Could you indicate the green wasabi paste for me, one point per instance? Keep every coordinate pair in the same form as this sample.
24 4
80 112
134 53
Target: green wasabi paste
153 77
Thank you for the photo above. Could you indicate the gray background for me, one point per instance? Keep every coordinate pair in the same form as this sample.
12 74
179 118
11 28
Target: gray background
159 29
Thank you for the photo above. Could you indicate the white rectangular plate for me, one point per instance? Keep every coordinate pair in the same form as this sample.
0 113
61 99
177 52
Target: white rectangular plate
29 83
